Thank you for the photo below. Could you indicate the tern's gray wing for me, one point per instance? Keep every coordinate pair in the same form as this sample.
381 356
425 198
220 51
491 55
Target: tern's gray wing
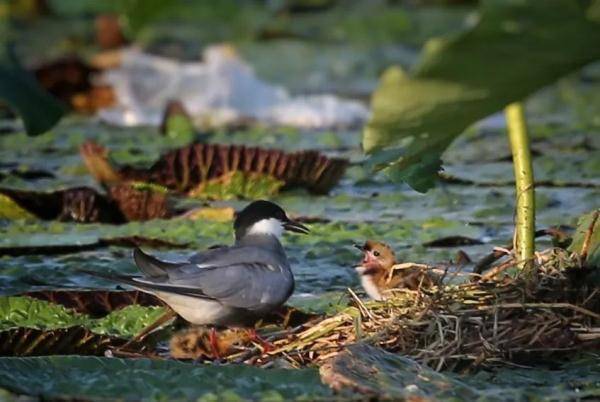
247 277
244 277
250 285
153 267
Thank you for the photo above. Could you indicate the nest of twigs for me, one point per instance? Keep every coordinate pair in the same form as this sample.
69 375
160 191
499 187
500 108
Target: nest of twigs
483 321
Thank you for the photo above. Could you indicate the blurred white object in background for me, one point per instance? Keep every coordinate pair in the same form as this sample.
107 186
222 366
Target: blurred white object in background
221 89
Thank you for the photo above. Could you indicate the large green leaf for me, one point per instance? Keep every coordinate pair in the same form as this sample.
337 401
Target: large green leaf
517 47
19 89
142 379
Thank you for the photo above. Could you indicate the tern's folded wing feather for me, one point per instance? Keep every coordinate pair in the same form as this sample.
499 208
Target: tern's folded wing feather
248 285
151 266
226 256
148 284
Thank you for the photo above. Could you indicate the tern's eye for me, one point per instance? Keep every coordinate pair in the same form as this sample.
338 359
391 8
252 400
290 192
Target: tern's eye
376 253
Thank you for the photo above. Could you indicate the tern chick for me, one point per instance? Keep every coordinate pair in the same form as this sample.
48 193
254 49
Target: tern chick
377 273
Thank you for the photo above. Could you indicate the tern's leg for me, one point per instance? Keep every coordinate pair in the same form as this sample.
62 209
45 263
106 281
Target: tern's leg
254 337
214 342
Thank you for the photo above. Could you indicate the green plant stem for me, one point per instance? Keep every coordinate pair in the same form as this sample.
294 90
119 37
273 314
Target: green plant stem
525 197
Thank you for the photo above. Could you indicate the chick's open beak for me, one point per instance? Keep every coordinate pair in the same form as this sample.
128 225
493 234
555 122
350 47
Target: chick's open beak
294 226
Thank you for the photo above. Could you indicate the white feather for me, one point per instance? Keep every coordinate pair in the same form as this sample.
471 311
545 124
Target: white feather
368 285
371 288
269 226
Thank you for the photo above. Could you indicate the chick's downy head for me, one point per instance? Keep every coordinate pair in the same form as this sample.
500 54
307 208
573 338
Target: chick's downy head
377 255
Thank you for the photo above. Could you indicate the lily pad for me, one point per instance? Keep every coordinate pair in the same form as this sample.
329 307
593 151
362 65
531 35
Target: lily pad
72 377
193 167
469 76
238 184
9 209
26 312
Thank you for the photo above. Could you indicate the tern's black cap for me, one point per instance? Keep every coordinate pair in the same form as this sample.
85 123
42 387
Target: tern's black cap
259 210
255 212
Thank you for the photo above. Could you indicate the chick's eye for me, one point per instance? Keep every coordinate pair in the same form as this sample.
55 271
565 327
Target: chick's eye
376 253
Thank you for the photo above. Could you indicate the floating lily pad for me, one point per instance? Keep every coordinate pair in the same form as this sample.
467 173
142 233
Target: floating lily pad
9 209
191 167
101 378
27 312
238 184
